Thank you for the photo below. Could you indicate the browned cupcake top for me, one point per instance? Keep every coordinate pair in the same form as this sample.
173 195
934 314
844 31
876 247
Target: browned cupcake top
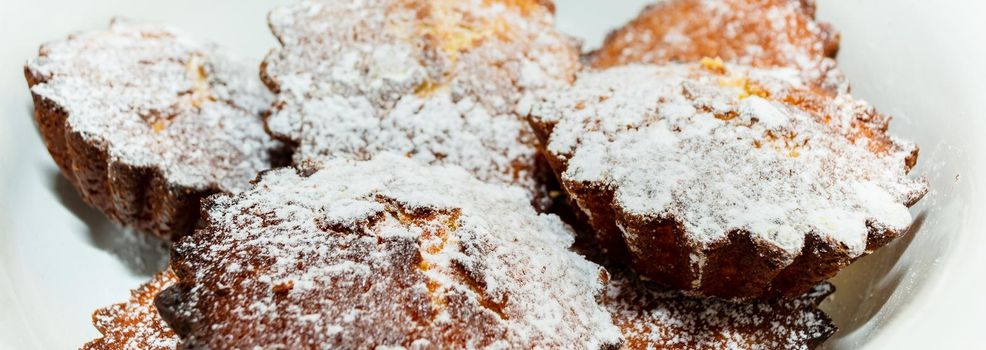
439 81
652 318
720 148
763 33
383 253
136 324
157 99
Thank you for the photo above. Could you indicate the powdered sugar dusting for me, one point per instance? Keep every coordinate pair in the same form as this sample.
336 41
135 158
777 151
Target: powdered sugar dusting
730 151
136 324
158 99
651 318
387 253
439 81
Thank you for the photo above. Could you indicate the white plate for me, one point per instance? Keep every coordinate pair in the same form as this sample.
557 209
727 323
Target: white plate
921 61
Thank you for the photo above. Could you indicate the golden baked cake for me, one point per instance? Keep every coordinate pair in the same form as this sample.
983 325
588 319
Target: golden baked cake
653 318
144 122
439 81
648 318
761 33
136 324
728 180
383 253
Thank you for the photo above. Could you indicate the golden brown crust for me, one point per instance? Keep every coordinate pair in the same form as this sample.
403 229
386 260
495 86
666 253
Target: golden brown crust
135 324
755 32
738 263
118 151
135 196
737 267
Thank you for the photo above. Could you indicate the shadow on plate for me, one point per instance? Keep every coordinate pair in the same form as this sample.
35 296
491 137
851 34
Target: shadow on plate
141 254
865 287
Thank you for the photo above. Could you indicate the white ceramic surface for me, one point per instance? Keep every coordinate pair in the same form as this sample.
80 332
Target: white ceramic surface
921 61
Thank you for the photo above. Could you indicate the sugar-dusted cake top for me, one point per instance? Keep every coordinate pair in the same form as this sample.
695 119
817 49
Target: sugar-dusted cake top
439 81
156 99
384 253
730 148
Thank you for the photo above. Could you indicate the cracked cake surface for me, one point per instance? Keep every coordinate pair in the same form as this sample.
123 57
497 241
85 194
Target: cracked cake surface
383 252
144 121
440 81
761 33
728 180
